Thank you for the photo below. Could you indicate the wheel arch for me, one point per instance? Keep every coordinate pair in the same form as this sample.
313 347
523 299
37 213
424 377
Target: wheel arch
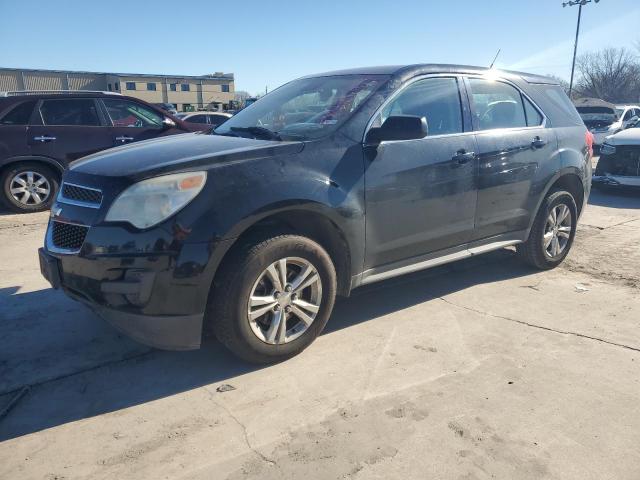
312 223
568 179
50 162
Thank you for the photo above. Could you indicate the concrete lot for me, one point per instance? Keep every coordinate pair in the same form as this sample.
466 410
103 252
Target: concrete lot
482 369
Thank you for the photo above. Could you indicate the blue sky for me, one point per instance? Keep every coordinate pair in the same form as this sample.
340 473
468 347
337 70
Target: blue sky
266 43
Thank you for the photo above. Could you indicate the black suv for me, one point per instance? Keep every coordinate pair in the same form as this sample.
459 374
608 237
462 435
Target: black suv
42 132
327 183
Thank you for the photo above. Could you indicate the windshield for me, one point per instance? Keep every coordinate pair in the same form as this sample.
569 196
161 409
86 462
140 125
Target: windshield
619 112
303 109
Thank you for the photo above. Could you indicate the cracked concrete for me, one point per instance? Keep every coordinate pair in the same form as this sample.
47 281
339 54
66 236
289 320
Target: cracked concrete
476 370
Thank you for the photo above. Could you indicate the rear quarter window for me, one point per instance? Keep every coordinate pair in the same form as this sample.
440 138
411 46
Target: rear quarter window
20 114
556 105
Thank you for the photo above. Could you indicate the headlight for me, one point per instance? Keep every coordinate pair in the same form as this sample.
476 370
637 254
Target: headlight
151 201
607 149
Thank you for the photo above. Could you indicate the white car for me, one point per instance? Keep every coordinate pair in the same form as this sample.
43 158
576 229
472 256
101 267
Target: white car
619 163
210 118
604 119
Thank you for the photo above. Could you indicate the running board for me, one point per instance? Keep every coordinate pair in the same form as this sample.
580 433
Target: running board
375 275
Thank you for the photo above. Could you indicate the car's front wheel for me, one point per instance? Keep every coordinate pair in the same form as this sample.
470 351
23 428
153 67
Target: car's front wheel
28 187
553 231
273 297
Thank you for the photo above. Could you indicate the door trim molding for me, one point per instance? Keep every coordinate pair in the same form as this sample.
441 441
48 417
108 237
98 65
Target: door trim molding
441 257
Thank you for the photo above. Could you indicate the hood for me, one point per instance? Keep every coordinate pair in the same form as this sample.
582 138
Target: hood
630 137
178 152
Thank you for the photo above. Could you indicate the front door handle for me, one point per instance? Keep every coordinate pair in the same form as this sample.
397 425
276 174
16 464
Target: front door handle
44 138
462 156
124 138
538 142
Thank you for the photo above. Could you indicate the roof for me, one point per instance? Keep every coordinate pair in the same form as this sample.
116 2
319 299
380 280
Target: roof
221 76
406 71
630 136
205 112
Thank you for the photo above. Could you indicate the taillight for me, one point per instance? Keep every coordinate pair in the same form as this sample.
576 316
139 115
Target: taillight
589 140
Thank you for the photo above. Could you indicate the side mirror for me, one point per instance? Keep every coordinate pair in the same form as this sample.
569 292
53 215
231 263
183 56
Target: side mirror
398 127
168 123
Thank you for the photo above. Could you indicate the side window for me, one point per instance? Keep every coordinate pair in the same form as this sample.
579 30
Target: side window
436 99
131 85
218 119
534 118
70 112
497 105
197 119
628 115
124 113
20 114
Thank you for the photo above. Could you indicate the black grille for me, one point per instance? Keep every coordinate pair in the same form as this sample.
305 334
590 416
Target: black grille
81 194
68 236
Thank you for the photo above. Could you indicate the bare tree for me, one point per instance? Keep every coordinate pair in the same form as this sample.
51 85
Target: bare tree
612 74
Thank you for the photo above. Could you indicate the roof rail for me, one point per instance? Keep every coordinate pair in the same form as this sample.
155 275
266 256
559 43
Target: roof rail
13 93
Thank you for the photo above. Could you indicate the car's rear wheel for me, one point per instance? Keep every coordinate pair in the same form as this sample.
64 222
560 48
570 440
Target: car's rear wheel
28 187
273 297
553 231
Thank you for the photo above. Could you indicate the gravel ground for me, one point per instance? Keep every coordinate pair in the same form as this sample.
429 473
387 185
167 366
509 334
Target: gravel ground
481 369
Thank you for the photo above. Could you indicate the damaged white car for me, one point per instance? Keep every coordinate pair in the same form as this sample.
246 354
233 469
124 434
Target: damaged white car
604 119
619 164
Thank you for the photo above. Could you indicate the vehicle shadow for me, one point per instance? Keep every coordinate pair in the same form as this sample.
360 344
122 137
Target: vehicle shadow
102 383
615 198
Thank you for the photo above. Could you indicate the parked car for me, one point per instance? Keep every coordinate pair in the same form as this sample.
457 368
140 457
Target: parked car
325 184
604 119
41 133
167 107
213 119
619 163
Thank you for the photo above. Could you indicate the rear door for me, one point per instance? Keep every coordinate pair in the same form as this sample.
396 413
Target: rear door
131 121
67 129
513 142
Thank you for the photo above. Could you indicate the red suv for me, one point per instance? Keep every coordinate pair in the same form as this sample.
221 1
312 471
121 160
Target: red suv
42 132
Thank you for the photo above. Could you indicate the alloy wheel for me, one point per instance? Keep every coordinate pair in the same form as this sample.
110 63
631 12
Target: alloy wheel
30 188
284 300
557 231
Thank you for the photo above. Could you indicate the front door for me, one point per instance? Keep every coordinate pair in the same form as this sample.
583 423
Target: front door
132 121
67 129
513 144
421 194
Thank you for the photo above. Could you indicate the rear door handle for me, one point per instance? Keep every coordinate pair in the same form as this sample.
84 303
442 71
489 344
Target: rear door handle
124 139
538 142
462 156
44 138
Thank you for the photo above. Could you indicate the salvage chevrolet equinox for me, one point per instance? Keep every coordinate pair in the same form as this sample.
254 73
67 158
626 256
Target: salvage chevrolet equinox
330 182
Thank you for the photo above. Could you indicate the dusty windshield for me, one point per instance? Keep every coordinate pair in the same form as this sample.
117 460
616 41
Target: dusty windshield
303 109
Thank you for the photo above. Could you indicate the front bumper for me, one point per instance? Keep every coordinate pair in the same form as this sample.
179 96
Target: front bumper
152 288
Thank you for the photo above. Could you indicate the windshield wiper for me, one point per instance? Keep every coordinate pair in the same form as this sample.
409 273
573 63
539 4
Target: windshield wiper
256 131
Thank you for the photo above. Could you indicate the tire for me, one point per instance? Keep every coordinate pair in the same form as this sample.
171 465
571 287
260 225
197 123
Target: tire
535 251
246 272
36 201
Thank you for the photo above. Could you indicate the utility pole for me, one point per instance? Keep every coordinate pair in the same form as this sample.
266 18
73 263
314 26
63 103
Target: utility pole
580 3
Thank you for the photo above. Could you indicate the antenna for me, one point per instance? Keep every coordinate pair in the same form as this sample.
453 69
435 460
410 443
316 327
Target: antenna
495 58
